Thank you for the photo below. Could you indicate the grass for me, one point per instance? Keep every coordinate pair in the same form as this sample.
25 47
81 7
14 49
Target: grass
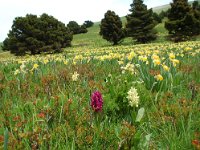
45 100
91 39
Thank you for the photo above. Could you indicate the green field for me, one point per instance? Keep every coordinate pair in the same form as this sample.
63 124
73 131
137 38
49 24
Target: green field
97 96
150 98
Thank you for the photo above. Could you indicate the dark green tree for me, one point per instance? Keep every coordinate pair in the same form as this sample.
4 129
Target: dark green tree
111 28
164 14
196 5
76 28
157 18
140 23
196 11
182 23
88 23
83 29
35 35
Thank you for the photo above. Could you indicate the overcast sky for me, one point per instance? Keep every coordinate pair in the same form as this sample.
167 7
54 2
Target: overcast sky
64 10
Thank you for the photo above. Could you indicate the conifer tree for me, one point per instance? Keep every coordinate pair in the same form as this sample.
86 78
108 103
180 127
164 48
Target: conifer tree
35 35
111 28
196 10
182 23
140 22
88 23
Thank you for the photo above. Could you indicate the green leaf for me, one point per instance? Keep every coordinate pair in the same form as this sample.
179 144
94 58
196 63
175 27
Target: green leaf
140 114
6 136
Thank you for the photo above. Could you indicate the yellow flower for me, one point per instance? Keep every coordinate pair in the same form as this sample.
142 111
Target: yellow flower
188 48
131 55
154 56
159 77
35 66
156 62
165 67
65 62
175 62
45 61
143 58
172 56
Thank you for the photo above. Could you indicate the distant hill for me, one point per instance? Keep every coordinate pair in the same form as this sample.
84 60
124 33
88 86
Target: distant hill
158 9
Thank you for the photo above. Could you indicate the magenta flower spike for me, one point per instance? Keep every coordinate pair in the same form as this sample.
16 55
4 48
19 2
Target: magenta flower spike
96 101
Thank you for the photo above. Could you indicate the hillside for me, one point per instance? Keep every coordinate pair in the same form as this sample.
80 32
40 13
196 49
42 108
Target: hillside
158 9
93 39
161 8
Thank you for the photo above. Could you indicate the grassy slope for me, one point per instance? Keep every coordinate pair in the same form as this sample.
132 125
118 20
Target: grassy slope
165 7
160 8
0 47
93 39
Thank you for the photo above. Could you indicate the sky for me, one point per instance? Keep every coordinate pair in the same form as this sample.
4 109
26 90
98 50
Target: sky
64 10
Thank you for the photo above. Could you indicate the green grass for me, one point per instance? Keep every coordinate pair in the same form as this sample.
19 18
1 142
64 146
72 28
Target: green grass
90 39
43 107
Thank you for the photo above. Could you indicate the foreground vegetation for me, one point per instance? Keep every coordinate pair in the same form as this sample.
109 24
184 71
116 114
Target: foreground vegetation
94 96
150 98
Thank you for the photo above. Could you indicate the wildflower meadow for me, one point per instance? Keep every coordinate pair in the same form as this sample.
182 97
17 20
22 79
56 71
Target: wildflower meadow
121 97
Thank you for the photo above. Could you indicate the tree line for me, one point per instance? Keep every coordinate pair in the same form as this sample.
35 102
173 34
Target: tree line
183 23
45 34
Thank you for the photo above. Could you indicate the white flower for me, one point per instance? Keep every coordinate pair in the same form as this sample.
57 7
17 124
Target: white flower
22 68
129 67
17 72
133 97
75 76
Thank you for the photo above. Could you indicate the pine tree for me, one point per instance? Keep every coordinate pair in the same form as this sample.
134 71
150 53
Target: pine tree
88 23
182 23
196 5
76 28
111 28
35 35
140 22
196 10
157 18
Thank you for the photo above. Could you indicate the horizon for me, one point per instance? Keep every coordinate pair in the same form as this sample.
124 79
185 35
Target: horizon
63 7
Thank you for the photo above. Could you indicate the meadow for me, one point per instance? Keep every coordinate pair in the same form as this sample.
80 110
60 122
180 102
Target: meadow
98 96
